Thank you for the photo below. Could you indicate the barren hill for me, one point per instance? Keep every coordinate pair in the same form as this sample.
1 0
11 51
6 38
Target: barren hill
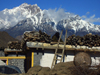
5 38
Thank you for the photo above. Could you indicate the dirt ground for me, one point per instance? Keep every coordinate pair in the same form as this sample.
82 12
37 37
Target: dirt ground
59 69
67 68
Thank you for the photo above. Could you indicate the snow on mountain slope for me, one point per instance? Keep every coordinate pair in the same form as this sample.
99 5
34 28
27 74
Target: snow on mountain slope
41 21
10 17
73 22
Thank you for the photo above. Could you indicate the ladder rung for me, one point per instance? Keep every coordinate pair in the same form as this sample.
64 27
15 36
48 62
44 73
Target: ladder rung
58 54
58 59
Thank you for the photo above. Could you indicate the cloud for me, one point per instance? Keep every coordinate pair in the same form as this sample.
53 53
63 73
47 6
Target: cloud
93 16
58 14
83 17
88 13
91 19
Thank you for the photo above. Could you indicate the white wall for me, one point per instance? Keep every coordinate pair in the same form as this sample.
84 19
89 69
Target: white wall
47 58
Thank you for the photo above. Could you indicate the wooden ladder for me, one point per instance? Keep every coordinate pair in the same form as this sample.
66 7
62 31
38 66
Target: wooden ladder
56 51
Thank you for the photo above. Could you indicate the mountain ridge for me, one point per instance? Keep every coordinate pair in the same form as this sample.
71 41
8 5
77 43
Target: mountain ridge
33 18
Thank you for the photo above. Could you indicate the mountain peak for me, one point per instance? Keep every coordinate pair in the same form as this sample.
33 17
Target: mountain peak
78 17
24 5
27 5
35 5
10 17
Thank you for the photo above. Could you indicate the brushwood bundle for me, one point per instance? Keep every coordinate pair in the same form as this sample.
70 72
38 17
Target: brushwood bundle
14 45
36 36
87 40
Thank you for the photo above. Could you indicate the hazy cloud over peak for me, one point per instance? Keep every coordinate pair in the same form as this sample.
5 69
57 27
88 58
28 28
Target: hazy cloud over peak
91 19
58 14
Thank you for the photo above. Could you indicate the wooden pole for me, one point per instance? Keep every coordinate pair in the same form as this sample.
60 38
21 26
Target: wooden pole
13 57
7 61
32 59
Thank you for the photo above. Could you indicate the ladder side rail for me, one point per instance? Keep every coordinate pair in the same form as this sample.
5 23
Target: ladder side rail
53 63
64 46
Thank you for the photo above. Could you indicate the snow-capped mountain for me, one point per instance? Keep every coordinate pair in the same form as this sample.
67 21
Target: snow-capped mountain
30 17
10 17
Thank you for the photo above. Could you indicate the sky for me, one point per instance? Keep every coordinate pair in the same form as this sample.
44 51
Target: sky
88 10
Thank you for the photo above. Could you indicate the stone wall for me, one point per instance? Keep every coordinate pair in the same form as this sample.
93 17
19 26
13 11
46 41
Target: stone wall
37 58
15 62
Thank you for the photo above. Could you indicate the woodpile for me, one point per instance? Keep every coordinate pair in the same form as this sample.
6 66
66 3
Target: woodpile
14 45
33 36
87 40
55 37
36 36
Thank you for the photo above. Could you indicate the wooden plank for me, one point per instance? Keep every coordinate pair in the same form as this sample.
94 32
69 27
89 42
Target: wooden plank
56 43
8 49
13 51
45 45
67 47
54 46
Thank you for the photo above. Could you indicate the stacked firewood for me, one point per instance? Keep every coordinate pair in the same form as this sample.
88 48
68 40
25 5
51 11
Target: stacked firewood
14 45
87 40
33 36
55 37
36 36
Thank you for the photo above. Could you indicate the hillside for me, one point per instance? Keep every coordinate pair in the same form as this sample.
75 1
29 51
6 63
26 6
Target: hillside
5 38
